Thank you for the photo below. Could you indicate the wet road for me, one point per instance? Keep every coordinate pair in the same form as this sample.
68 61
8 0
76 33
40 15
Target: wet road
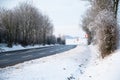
15 57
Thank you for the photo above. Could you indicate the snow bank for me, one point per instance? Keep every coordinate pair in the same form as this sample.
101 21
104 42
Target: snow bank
19 47
103 69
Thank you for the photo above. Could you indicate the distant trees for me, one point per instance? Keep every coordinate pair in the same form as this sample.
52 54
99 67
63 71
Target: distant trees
25 25
100 23
61 40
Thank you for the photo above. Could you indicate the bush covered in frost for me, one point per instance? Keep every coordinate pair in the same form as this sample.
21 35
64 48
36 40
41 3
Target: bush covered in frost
100 23
107 32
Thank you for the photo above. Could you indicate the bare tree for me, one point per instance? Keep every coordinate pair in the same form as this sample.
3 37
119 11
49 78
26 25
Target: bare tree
7 22
33 23
25 25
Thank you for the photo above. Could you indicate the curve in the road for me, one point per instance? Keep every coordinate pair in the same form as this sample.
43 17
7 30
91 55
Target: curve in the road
15 57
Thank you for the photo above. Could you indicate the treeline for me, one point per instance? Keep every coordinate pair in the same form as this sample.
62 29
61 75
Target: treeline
25 25
100 23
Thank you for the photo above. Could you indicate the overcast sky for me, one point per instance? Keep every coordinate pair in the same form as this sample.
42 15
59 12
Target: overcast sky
65 14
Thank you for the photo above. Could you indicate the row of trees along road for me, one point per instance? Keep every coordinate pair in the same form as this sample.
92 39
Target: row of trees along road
25 25
100 23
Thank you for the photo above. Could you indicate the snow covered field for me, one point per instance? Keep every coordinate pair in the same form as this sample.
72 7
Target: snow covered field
80 63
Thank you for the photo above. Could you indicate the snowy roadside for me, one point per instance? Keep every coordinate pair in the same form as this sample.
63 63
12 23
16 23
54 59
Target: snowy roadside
65 66
80 63
103 69
19 47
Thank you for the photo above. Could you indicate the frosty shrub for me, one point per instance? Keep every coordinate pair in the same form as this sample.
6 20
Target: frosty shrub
107 32
87 24
100 5
93 27
100 23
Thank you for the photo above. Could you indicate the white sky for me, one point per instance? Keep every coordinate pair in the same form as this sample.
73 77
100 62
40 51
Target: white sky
65 14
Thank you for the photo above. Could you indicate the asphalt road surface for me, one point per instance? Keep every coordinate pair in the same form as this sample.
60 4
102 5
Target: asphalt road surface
15 57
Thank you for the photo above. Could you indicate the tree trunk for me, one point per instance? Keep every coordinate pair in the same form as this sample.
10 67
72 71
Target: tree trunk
116 3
